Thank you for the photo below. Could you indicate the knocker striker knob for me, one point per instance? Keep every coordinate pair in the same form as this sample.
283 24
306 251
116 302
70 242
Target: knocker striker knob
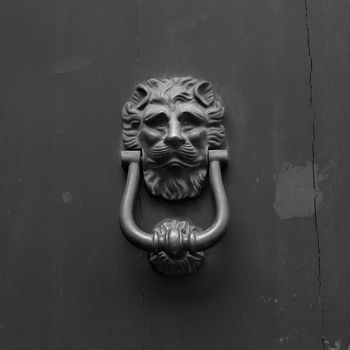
174 242
175 259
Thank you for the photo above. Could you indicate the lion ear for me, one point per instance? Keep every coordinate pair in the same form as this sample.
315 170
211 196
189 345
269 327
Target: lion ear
140 96
204 93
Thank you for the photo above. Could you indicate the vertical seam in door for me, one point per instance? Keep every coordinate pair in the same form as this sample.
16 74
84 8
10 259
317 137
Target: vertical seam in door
314 171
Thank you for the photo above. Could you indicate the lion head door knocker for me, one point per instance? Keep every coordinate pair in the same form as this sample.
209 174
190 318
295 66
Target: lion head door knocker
172 129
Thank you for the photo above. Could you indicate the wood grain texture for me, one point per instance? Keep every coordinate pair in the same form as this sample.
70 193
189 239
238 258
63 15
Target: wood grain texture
69 279
259 287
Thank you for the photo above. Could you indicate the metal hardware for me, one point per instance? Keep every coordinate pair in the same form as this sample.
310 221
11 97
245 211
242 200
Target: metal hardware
174 122
170 125
178 262
173 242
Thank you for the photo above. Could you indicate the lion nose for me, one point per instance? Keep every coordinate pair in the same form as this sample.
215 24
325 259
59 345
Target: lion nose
174 138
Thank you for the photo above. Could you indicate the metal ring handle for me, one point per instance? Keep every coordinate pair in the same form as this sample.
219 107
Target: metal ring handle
154 243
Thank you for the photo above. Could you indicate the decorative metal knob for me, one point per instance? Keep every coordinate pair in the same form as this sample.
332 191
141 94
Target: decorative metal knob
169 125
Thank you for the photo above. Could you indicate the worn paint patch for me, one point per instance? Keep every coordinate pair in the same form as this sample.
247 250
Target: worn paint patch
296 193
66 197
283 339
337 345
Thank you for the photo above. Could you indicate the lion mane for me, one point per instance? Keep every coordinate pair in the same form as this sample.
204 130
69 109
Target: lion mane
181 89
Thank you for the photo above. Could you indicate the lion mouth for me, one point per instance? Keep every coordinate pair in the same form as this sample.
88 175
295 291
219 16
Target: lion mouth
176 163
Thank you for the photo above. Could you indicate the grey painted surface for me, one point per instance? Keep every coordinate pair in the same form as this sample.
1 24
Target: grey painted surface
69 280
331 77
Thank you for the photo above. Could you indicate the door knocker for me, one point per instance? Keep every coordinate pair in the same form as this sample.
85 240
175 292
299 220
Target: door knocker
172 129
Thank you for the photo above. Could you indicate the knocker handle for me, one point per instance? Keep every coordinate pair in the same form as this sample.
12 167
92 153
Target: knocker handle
174 243
206 239
131 231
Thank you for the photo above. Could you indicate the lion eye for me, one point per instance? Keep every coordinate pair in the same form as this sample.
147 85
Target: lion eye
157 120
190 120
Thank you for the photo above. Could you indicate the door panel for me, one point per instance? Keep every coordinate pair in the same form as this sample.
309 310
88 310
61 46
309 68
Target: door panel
69 278
258 288
330 48
68 281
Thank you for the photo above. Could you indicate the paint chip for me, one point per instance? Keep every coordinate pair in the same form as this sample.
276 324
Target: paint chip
66 197
283 339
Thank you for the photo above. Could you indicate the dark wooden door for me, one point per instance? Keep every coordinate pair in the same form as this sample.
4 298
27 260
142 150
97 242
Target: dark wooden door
279 279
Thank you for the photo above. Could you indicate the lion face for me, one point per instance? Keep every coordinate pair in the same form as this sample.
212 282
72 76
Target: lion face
170 123
173 138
